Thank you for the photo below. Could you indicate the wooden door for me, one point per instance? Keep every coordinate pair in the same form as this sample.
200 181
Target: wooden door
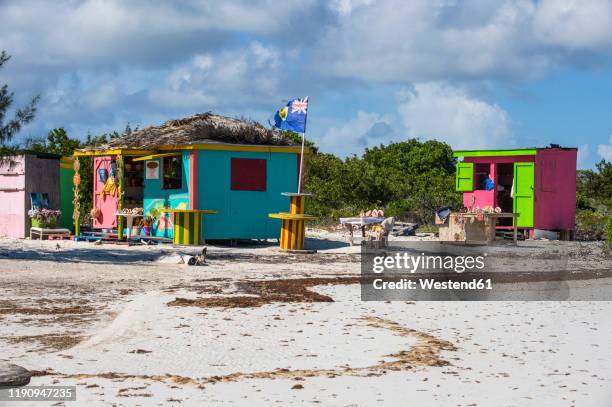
105 202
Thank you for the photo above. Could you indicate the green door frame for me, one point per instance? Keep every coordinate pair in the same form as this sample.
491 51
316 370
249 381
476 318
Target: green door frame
524 193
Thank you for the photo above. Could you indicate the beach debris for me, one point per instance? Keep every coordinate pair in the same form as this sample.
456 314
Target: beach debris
442 215
423 350
261 292
404 229
198 260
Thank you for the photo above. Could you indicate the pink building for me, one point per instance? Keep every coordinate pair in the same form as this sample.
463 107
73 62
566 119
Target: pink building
537 183
30 173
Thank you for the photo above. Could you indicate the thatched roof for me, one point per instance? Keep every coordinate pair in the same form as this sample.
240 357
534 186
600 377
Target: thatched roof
201 128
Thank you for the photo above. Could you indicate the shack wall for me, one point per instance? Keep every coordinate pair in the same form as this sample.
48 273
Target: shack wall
41 176
555 184
243 214
12 202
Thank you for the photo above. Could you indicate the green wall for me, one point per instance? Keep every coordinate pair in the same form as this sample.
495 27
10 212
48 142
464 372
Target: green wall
66 197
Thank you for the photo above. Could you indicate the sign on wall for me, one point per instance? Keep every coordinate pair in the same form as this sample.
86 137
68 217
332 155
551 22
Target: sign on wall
152 171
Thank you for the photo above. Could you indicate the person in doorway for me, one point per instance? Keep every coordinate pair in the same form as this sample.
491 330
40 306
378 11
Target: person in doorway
488 183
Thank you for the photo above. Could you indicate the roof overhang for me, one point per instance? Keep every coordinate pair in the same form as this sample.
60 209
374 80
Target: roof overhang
119 151
234 147
203 146
154 156
495 153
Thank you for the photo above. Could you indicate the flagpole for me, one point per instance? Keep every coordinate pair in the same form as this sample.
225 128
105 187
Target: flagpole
301 162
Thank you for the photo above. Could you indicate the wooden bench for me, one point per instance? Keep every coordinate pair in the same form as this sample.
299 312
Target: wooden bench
56 233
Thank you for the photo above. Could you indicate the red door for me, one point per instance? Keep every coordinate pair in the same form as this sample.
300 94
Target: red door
106 203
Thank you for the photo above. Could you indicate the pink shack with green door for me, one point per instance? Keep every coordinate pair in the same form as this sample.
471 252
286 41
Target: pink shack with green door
537 183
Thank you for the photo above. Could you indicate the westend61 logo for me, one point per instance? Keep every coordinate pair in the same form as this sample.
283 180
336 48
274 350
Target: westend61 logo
422 263
412 264
438 271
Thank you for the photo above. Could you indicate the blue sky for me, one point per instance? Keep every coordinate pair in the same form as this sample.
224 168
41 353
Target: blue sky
475 74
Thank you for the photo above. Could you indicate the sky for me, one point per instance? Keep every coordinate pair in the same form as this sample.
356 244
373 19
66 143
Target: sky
475 74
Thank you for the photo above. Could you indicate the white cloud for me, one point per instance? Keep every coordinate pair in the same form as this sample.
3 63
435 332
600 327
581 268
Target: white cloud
583 155
234 77
91 32
605 150
346 7
443 112
574 24
423 40
364 130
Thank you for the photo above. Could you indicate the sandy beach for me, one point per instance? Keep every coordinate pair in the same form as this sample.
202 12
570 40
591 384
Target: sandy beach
131 326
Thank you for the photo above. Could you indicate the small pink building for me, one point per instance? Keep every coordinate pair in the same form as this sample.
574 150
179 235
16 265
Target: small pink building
30 173
537 183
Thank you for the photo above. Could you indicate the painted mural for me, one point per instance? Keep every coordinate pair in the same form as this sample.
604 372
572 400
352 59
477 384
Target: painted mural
163 226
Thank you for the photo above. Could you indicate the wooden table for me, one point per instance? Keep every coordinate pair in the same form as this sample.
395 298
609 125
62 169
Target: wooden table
41 232
495 216
360 222
293 232
129 221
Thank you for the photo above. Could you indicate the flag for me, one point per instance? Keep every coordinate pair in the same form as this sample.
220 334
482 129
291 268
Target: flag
293 116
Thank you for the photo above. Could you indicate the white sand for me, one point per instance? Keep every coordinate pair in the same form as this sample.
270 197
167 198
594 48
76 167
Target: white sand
509 353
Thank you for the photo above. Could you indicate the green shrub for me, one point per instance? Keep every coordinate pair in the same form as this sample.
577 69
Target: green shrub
591 225
409 180
608 230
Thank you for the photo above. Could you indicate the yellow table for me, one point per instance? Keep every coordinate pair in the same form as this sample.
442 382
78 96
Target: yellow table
292 227
188 225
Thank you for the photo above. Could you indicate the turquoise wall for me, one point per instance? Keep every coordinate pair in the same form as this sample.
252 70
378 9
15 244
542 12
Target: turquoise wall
244 214
156 197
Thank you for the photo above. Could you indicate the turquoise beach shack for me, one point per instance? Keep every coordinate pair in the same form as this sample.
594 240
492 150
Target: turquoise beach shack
234 167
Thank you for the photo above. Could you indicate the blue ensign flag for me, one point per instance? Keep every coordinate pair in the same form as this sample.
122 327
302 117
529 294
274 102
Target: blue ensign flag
293 116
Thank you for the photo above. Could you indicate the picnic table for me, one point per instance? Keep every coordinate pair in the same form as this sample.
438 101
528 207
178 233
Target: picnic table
360 223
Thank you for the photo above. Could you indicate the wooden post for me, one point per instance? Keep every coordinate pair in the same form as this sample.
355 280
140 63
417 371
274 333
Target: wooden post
76 200
193 180
121 175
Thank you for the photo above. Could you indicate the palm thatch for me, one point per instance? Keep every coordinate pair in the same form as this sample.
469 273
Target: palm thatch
201 128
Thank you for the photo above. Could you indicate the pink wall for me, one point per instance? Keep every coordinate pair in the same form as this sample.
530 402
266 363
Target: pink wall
481 198
555 184
12 202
